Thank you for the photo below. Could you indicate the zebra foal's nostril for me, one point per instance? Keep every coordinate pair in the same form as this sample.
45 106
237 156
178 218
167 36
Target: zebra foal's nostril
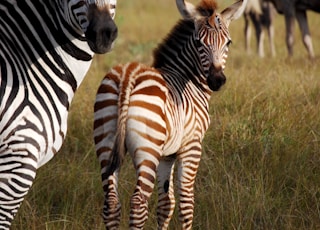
215 80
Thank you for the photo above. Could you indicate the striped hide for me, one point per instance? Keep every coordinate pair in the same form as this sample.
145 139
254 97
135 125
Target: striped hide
46 48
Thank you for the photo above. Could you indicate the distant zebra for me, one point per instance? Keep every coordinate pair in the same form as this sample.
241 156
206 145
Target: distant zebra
297 9
46 48
160 114
261 14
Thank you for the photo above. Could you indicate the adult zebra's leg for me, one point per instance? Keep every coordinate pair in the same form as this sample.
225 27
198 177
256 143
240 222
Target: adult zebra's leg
289 20
269 11
17 173
166 200
302 19
256 20
271 39
146 161
247 32
188 162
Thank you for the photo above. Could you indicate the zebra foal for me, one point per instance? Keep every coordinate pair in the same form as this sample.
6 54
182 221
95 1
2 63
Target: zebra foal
159 114
46 48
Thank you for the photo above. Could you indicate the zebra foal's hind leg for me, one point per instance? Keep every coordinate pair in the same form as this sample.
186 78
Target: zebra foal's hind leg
146 161
166 200
112 206
105 128
188 162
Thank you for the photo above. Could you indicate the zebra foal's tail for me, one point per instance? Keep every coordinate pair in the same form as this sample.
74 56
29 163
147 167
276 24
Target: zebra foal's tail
125 78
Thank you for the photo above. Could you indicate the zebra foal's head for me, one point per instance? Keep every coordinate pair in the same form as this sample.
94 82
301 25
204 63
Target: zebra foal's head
94 18
212 35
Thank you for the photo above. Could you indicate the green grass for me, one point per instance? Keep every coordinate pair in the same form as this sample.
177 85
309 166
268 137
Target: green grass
260 167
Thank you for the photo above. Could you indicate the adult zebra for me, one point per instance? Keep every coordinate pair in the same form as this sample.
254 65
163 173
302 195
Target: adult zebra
46 48
160 114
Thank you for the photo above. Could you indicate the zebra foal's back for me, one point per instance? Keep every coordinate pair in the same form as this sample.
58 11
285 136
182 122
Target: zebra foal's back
133 85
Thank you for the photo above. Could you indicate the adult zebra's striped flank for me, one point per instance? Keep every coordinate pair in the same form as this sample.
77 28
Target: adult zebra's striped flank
46 48
159 114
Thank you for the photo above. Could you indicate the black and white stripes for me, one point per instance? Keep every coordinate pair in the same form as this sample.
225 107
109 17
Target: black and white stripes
44 55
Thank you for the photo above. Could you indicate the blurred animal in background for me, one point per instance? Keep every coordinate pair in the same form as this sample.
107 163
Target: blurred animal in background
292 9
261 13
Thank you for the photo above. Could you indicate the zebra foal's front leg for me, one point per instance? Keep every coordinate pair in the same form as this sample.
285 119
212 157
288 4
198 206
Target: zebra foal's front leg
188 162
166 200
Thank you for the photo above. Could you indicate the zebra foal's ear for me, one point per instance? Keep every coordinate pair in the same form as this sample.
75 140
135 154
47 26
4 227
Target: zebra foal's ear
234 11
186 9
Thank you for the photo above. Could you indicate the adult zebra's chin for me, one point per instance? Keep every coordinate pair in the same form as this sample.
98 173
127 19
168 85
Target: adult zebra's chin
102 30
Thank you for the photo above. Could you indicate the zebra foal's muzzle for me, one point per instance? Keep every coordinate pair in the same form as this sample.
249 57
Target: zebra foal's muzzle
102 30
216 78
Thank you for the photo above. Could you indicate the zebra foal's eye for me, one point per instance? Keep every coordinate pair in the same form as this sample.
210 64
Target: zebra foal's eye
218 20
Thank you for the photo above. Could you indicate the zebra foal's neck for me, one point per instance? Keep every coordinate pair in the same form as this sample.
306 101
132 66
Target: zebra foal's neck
178 52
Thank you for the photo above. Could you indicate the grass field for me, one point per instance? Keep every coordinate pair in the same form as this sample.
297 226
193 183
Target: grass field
260 167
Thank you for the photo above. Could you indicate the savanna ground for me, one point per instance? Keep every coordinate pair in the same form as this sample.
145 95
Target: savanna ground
260 167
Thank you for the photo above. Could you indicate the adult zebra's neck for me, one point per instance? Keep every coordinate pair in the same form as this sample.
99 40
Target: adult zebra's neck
73 12
178 54
69 47
45 41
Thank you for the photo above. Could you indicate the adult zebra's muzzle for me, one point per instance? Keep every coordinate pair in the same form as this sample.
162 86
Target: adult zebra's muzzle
101 31
216 78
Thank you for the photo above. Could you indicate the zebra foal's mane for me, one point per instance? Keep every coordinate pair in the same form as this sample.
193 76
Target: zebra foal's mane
207 7
173 43
180 34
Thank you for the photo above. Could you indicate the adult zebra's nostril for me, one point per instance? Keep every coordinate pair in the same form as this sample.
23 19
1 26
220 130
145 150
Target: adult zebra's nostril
110 33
